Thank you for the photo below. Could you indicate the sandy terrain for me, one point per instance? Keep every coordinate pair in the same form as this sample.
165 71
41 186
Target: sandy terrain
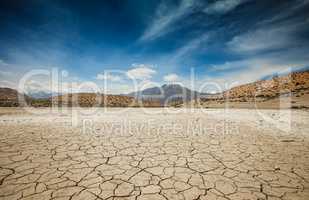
154 154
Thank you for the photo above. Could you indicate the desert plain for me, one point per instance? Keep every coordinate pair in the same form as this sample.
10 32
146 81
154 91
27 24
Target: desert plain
154 153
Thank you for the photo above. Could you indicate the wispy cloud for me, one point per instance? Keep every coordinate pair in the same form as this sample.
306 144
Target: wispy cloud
223 6
268 37
293 7
165 17
260 40
190 46
171 78
141 72
108 77
230 65
274 45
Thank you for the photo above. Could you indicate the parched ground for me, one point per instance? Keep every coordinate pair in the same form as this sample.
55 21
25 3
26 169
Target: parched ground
154 154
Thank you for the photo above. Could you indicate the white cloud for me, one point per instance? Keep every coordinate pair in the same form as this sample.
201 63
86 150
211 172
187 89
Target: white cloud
232 65
118 89
171 78
8 84
141 72
108 77
165 17
36 86
262 39
223 6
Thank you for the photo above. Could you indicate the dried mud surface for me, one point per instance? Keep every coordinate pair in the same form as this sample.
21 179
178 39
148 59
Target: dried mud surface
152 154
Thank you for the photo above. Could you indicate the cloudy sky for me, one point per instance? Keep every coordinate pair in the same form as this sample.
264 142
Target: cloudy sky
152 42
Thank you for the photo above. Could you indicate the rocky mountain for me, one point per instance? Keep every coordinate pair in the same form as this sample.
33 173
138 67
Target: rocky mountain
168 94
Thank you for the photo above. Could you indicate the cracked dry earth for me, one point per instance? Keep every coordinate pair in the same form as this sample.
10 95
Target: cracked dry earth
201 154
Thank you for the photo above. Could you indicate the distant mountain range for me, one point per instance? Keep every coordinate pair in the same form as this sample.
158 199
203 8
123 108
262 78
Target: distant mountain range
166 94
41 94
173 94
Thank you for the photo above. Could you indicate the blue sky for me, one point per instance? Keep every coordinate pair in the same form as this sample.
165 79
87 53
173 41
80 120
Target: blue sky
226 41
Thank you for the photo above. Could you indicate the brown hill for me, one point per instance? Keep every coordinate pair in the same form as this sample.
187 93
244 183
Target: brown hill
92 99
295 84
11 98
265 92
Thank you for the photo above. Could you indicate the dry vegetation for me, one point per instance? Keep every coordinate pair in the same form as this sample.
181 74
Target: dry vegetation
265 93
92 99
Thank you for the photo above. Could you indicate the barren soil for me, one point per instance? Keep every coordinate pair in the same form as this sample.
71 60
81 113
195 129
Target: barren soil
149 153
